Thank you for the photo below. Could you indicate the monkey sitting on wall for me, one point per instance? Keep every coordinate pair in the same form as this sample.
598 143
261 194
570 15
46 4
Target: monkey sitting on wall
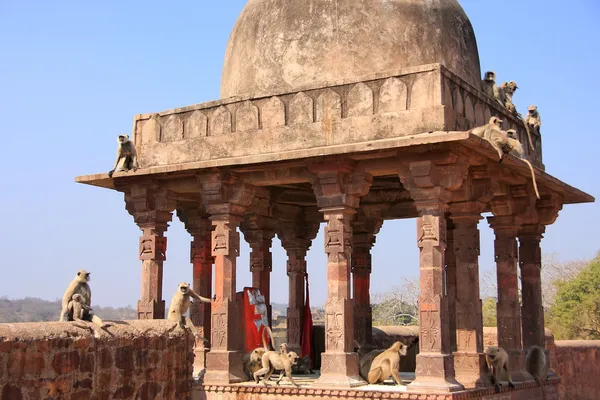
79 285
387 364
533 119
537 366
491 89
484 131
509 89
496 359
126 156
180 304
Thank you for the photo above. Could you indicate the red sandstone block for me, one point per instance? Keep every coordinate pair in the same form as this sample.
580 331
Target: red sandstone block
82 343
124 392
105 359
87 363
10 392
124 358
43 346
81 395
64 363
5 346
22 363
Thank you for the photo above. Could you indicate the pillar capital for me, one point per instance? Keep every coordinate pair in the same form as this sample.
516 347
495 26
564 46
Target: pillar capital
337 184
466 211
225 196
194 219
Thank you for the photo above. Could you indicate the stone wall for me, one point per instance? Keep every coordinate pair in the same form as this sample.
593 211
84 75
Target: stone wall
56 360
577 362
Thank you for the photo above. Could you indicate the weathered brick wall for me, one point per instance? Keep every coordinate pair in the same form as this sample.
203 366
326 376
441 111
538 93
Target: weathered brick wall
577 362
56 360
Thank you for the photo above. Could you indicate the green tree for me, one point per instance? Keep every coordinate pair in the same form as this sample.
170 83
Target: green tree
575 312
488 309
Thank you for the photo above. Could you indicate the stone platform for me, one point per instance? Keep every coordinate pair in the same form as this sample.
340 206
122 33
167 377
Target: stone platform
250 391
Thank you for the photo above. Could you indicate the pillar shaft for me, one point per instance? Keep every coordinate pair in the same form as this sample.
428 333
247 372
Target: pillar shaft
532 310
338 190
450 259
261 261
364 230
508 307
469 360
226 199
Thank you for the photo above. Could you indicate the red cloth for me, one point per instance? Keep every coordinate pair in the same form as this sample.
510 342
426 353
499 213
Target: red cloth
255 319
307 325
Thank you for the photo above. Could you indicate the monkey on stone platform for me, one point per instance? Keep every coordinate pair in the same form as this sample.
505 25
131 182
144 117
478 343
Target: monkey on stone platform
496 359
387 364
126 156
484 131
273 360
537 366
513 146
180 304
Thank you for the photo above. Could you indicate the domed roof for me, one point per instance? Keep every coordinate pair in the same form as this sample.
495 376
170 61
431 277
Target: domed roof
277 46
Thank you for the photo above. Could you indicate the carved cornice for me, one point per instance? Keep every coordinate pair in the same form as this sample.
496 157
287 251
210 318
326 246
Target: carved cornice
336 184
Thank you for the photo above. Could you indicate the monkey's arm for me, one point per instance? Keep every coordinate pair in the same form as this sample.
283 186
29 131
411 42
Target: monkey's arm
134 158
110 173
196 296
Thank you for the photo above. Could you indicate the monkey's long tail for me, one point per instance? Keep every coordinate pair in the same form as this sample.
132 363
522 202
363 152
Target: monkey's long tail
537 193
542 388
528 132
264 340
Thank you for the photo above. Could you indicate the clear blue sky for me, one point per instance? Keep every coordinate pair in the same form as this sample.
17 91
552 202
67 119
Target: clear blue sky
74 73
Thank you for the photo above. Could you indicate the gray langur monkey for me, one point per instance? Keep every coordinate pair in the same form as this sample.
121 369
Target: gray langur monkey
79 286
272 360
387 364
78 308
533 119
485 131
515 148
509 89
496 359
126 156
181 303
537 366
491 89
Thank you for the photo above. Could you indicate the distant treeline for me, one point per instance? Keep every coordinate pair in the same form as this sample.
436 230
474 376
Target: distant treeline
32 309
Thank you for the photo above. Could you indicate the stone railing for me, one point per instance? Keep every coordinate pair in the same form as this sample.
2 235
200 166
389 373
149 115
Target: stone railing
135 360
401 103
576 362
376 108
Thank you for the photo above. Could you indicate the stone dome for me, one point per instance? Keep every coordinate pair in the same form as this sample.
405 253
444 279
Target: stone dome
277 46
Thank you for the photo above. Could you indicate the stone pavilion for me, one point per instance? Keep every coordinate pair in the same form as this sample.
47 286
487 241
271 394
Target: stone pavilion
351 113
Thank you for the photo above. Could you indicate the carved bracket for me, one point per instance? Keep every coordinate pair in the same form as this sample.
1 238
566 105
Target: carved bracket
153 247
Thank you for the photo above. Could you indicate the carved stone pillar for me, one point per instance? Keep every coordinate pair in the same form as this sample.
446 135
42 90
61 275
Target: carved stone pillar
430 188
363 238
259 233
338 191
151 207
469 360
451 281
296 237
226 200
532 310
508 307
199 226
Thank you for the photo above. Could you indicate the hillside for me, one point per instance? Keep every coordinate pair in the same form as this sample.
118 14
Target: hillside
32 309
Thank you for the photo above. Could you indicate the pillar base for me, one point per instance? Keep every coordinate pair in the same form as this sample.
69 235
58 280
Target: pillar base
200 352
470 370
223 367
151 309
516 360
339 370
435 372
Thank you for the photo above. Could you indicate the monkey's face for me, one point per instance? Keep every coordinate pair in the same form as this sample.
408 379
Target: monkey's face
123 138
532 109
293 357
184 287
402 348
495 121
490 76
83 276
511 133
492 352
